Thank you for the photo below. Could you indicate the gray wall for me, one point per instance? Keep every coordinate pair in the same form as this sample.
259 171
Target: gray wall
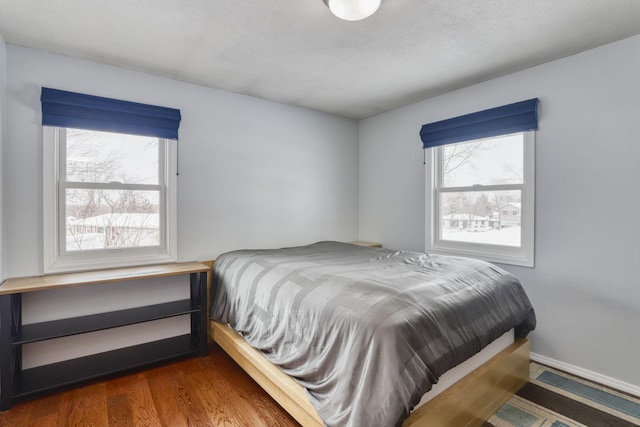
3 96
585 284
253 173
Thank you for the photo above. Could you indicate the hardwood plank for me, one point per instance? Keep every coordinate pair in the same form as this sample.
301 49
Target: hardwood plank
142 407
119 411
170 386
237 399
202 391
253 396
47 406
20 415
48 420
165 403
89 406
218 387
280 387
63 410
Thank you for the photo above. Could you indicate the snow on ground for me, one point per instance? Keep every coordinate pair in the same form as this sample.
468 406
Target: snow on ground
509 236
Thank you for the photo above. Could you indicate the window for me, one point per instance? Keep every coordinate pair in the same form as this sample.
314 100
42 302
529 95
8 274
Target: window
480 193
109 197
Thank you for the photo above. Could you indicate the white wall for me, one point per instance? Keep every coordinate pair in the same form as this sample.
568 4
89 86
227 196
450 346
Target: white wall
585 285
253 173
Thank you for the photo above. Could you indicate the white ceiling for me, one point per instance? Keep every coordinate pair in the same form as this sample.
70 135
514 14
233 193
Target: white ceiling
296 52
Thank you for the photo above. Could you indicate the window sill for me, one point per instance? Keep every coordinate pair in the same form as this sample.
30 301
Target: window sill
66 265
509 259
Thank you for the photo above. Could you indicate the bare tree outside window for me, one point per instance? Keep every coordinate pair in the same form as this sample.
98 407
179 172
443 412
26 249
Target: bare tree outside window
470 209
112 199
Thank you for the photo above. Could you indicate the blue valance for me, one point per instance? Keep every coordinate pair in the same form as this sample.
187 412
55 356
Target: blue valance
518 117
75 110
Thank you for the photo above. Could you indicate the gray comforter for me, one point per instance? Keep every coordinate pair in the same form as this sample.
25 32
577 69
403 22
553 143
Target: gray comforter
366 331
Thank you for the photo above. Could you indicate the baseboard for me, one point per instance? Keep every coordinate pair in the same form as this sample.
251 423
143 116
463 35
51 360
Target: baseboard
613 383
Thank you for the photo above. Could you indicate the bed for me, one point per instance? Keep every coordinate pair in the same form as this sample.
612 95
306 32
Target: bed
342 335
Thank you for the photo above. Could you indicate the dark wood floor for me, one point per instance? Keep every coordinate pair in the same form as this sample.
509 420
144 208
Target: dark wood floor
201 391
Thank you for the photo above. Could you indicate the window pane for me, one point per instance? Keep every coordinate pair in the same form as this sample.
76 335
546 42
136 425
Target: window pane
104 157
489 217
489 161
111 219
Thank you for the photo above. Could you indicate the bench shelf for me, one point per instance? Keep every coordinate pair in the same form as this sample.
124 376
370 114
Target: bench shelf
16 382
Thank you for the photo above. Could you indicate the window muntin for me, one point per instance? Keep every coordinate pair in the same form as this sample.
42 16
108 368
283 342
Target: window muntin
481 199
109 199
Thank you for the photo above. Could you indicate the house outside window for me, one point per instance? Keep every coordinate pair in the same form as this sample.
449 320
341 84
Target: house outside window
480 198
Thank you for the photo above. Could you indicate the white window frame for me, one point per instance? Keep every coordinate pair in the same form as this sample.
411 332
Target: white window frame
56 260
521 256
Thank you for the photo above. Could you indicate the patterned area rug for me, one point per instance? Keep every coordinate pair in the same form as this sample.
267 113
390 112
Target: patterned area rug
555 399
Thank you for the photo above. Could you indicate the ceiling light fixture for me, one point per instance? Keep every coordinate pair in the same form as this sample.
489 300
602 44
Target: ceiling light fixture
352 10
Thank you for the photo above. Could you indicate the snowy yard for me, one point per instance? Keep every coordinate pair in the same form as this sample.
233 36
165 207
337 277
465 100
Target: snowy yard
507 236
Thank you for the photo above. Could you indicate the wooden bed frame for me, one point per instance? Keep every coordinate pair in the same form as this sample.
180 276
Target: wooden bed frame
469 402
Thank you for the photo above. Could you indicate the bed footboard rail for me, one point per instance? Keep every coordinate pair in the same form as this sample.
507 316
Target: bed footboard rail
474 398
282 388
469 402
